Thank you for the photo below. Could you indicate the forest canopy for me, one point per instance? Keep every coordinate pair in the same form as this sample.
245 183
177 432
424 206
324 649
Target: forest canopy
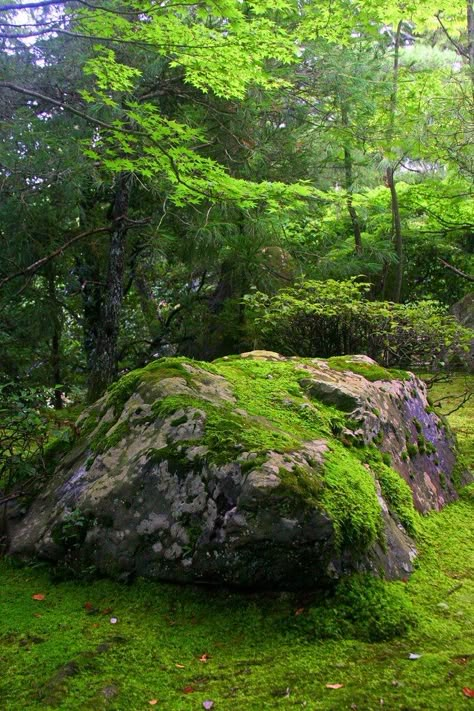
162 162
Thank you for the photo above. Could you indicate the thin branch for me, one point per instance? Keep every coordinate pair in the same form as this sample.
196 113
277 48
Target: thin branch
65 107
32 5
33 268
457 271
466 398
99 38
459 48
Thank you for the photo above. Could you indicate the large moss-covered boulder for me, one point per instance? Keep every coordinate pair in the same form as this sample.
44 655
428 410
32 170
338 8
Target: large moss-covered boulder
252 470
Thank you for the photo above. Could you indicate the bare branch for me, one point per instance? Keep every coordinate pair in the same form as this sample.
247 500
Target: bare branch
32 5
465 399
33 268
61 105
78 35
459 48
457 271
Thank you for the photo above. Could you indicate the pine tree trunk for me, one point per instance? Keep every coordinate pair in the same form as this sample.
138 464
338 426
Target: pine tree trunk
397 237
103 359
395 276
55 352
349 180
470 35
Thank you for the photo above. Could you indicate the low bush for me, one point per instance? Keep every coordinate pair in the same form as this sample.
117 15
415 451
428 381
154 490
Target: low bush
334 318
364 608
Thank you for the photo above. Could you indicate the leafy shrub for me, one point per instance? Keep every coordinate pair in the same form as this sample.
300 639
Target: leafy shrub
30 438
363 607
23 432
330 318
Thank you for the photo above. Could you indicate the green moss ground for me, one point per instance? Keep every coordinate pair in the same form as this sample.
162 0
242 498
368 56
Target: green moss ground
461 421
58 654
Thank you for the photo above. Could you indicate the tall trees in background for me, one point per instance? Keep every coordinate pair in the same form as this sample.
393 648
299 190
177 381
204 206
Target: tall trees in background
157 161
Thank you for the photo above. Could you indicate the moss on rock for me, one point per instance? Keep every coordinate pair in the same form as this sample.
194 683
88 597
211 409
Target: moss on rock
288 486
370 371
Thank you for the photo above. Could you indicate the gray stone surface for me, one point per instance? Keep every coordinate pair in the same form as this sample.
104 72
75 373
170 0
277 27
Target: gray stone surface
155 503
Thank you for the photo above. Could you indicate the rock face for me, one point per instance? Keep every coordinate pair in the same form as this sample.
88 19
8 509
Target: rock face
255 470
463 311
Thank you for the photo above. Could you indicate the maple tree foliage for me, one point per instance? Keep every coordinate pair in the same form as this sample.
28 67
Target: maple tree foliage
158 161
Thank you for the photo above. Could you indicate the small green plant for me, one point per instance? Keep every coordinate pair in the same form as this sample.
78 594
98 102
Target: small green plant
24 433
72 530
363 607
70 534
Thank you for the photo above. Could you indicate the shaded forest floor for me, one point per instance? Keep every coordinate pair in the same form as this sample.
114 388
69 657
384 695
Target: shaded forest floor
102 645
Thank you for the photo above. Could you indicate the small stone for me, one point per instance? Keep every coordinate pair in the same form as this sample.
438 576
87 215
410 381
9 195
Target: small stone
110 691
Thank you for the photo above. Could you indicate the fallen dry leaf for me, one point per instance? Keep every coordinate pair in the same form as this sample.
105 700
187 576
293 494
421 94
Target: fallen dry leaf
38 596
88 606
37 614
107 611
299 611
188 690
179 666
153 702
334 686
468 692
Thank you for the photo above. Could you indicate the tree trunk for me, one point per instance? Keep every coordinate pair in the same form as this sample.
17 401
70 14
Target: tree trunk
55 352
349 180
396 281
103 358
397 236
470 35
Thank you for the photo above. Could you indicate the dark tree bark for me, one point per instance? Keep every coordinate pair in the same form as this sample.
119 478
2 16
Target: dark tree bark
103 357
397 236
396 280
55 352
349 181
470 35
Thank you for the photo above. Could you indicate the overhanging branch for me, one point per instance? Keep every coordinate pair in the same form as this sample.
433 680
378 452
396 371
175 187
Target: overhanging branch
457 271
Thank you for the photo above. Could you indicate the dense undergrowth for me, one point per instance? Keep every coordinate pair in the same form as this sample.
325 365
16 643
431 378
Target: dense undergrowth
182 646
